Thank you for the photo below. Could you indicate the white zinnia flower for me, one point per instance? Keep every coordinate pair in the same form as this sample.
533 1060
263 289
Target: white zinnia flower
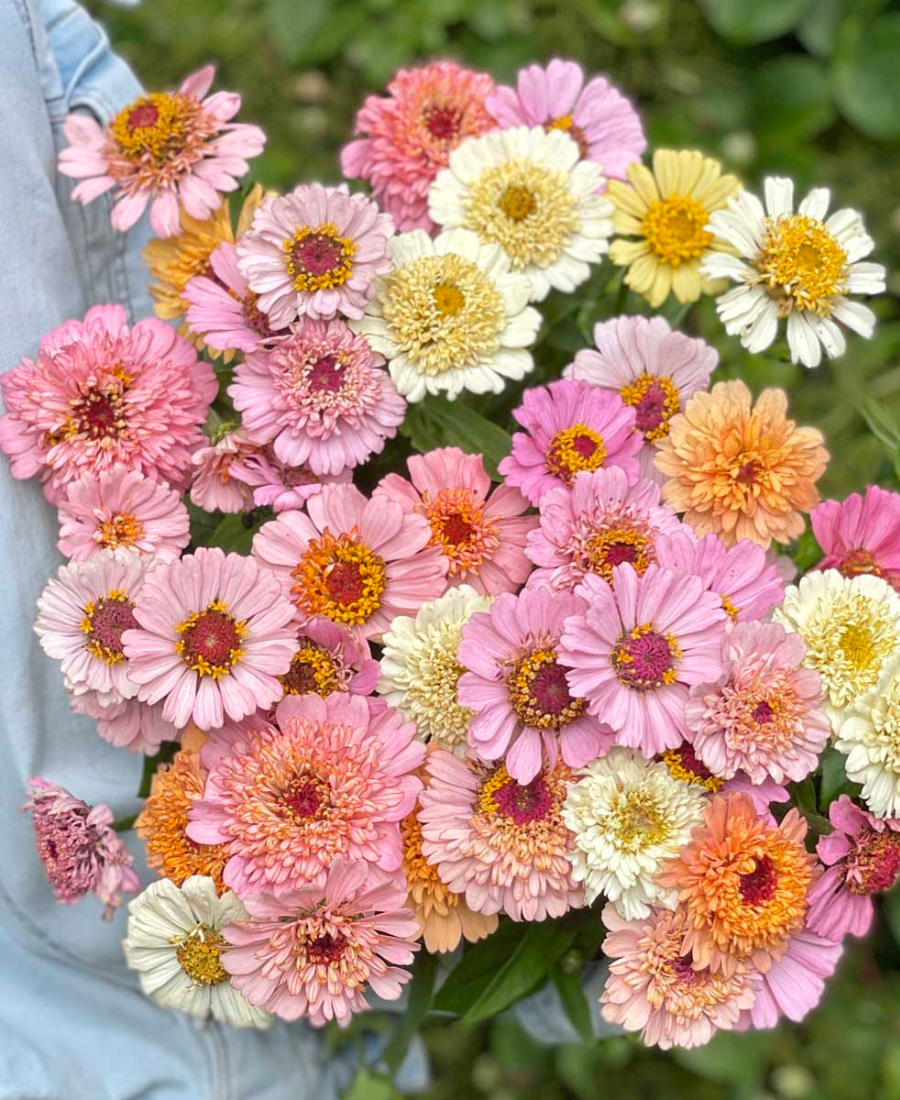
851 627
174 942
629 815
869 736
529 191
797 266
420 669
451 316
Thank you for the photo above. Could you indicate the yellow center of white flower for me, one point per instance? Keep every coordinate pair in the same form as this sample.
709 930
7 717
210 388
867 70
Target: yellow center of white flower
199 955
638 821
675 229
802 264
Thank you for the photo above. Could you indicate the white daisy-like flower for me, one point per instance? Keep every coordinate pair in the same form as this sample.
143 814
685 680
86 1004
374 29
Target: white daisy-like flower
451 316
175 943
851 627
529 191
794 265
869 737
420 667
629 815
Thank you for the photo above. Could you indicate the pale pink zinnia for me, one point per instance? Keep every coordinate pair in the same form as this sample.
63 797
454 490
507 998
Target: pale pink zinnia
214 487
279 486
638 647
213 634
480 532
600 522
652 368
314 952
860 534
130 725
321 398
81 854
500 843
331 780
121 508
569 427
315 252
517 689
408 136
762 715
354 561
794 983
99 394
862 858
171 149
596 115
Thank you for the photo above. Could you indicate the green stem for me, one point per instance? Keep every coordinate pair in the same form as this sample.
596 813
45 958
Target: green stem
621 297
125 824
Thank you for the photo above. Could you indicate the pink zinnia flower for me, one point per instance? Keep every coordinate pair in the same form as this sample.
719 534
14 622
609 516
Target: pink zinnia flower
748 580
128 725
481 533
500 843
355 561
223 310
81 854
328 658
685 765
860 535
652 368
315 951
655 988
333 780
762 715
862 858
638 647
600 522
213 634
321 398
517 688
121 508
214 487
570 427
168 148
408 137
278 486
98 394
794 983
315 253
596 115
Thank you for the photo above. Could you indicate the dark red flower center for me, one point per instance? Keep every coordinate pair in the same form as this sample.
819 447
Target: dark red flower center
876 863
684 969
213 636
550 689
762 712
326 374
293 476
746 475
643 659
300 678
144 115
690 762
523 804
758 886
317 253
326 949
650 410
108 620
456 529
584 445
98 414
442 122
303 798
345 583
253 316
615 553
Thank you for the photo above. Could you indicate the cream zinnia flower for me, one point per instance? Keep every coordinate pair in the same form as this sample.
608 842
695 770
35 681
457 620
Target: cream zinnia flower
451 316
629 815
851 627
420 667
529 191
797 266
668 210
869 736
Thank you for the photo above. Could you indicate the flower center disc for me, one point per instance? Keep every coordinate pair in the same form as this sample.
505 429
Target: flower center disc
644 658
304 798
655 402
312 671
517 202
326 949
875 864
539 692
448 299
104 622
341 579
675 229
573 450
121 530
758 886
521 804
442 122
802 264
319 259
199 956
326 374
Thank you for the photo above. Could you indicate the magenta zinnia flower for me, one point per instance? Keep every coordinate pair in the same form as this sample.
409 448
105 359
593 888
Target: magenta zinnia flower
481 533
569 427
170 149
99 394
315 253
213 635
600 522
214 486
321 398
315 951
121 508
355 561
763 714
408 137
278 486
596 115
500 843
332 780
862 858
652 368
860 535
517 688
81 854
638 647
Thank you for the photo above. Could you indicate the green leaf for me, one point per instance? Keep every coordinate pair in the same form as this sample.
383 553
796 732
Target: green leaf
792 99
818 29
473 972
165 755
867 75
834 780
203 524
296 25
235 533
571 993
421 994
746 22
808 552
804 796
371 1086
890 907
730 1058
881 424
436 422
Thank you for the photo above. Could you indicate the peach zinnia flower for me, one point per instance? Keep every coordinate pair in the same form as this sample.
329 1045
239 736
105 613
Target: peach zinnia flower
743 471
744 883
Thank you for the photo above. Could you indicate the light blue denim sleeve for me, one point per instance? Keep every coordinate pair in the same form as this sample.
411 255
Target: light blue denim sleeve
73 1023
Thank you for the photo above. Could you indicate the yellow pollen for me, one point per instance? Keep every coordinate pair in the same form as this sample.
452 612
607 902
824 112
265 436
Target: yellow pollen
607 549
486 801
340 578
448 299
638 821
315 663
634 393
564 123
730 609
675 229
199 953
672 759
573 450
857 644
153 127
196 661
557 708
121 530
801 264
517 203
336 274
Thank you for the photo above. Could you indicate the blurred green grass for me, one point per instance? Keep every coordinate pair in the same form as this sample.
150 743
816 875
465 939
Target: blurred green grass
809 88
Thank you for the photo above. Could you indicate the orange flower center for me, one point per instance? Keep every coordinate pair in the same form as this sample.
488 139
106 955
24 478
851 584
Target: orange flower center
340 578
121 530
675 229
458 526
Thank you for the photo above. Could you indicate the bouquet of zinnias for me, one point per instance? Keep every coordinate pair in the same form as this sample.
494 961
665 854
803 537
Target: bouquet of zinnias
403 680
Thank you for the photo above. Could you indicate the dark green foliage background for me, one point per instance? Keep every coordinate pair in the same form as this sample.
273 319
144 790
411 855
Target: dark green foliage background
809 88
